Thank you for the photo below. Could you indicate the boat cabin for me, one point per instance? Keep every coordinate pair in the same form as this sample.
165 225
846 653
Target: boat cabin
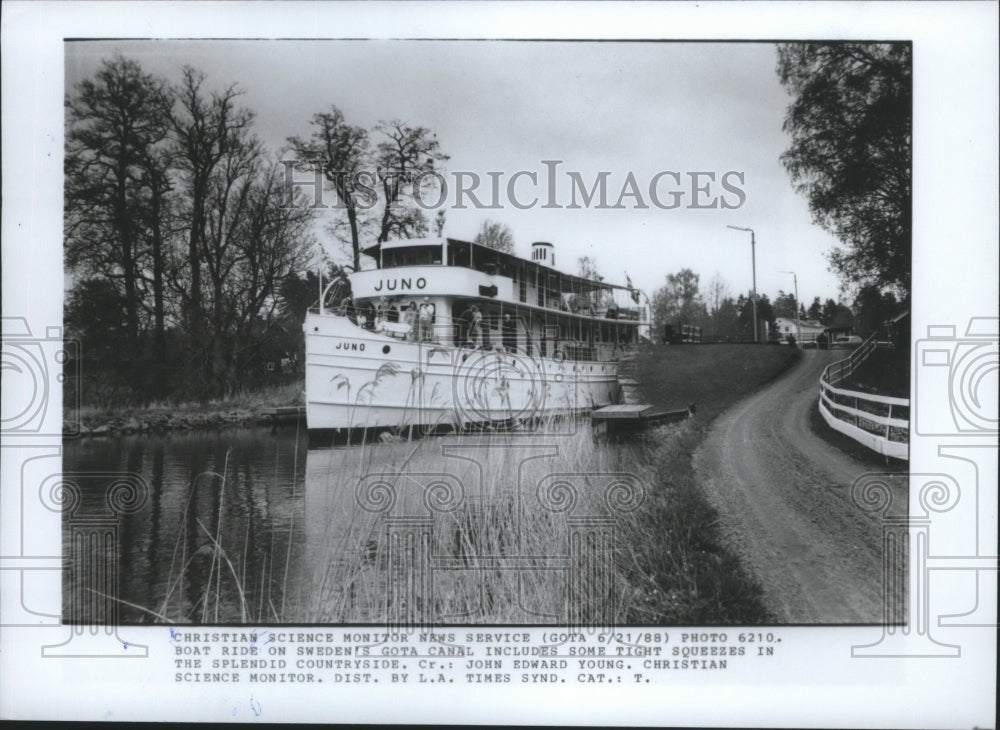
524 305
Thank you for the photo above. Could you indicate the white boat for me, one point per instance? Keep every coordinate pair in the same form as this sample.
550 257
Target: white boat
548 343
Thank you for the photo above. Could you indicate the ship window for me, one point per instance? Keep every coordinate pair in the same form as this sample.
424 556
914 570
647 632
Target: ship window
411 256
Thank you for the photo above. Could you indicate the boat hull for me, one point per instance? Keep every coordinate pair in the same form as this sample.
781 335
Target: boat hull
357 378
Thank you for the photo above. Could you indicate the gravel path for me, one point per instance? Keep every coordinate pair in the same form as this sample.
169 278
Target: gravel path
784 501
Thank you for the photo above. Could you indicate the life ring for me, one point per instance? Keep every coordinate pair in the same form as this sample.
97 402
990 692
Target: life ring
558 355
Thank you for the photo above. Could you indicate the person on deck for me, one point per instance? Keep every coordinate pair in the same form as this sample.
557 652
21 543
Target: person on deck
463 326
347 307
476 327
410 320
508 332
368 312
424 318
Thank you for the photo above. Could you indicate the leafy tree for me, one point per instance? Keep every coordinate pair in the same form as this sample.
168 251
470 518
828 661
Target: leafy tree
300 290
679 301
850 152
725 319
785 305
496 235
765 313
872 308
836 314
96 314
815 311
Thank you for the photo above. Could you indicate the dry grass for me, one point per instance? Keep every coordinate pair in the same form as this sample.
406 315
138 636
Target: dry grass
498 537
488 502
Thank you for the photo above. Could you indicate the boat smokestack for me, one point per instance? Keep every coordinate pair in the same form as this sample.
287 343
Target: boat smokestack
543 252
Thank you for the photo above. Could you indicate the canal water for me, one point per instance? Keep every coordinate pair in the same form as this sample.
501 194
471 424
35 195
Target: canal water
251 526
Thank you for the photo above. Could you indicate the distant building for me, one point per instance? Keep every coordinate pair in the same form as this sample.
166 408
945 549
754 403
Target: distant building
806 331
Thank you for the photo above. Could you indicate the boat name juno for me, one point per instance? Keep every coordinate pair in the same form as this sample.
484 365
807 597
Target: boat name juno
400 284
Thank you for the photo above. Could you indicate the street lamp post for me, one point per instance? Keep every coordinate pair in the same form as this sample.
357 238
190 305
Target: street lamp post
753 262
798 327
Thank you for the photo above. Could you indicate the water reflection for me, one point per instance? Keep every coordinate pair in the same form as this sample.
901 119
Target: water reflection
250 526
221 507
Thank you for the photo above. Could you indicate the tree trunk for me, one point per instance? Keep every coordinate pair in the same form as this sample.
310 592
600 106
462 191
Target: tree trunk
159 326
126 252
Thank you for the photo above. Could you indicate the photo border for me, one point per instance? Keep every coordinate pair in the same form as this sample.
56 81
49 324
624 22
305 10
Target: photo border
841 676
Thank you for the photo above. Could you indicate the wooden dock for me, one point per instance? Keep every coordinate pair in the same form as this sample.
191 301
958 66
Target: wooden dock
633 417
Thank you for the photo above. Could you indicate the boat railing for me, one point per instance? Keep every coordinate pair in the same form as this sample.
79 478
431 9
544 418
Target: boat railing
599 314
453 331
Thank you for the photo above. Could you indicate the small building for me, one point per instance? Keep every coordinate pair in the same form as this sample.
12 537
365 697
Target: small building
805 330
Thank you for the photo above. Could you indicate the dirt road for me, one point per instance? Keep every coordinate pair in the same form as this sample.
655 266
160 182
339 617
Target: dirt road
784 501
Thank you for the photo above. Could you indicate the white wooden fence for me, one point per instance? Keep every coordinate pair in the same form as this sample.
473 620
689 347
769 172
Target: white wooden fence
865 417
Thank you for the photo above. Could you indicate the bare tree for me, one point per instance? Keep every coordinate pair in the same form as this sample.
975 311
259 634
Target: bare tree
341 151
268 243
157 223
207 128
377 189
587 268
406 158
113 180
493 234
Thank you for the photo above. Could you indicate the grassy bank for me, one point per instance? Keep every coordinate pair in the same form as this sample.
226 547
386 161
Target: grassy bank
692 578
238 409
713 377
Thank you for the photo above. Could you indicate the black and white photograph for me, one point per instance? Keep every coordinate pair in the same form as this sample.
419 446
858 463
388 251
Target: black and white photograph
350 354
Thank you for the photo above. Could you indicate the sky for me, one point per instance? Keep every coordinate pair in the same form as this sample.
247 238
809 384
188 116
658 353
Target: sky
631 110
